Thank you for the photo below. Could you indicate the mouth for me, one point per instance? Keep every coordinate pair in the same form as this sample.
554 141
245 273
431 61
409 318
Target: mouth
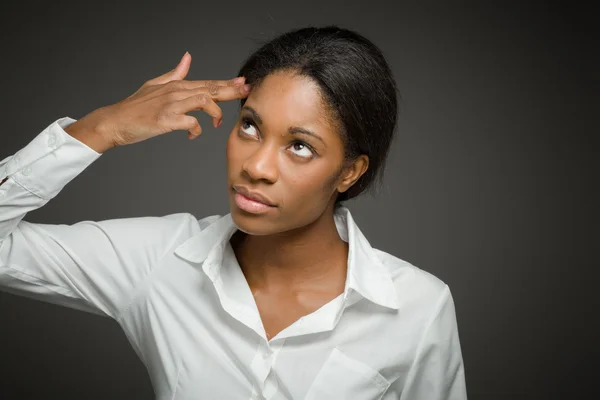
251 201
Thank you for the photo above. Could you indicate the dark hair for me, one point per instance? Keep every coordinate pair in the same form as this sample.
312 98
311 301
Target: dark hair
356 83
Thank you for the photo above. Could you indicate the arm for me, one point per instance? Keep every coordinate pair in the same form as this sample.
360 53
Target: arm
96 266
437 372
36 173
91 266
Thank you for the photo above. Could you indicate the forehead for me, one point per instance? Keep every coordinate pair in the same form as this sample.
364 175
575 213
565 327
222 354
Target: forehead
286 99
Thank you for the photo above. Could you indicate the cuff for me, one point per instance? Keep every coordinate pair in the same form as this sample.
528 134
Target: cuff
50 161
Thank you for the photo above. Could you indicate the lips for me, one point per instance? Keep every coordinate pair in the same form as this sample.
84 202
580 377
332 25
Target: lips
253 195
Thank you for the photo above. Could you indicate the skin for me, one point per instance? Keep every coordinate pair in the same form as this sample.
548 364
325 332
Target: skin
292 257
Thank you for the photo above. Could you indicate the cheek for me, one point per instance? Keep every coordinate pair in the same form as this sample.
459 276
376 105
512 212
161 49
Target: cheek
309 184
233 150
231 141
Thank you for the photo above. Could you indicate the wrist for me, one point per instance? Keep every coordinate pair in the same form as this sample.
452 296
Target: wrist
91 131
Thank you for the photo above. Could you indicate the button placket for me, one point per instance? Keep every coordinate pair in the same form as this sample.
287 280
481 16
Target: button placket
271 384
258 396
262 363
266 355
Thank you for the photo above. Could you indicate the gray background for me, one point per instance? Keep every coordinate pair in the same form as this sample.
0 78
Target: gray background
488 185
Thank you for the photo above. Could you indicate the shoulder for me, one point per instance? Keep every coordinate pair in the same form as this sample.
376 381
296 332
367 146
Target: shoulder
414 286
182 225
159 231
152 224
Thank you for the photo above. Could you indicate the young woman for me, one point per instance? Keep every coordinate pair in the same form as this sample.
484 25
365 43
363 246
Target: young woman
282 298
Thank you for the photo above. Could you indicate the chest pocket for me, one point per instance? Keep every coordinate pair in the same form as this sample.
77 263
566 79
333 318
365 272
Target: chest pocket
344 378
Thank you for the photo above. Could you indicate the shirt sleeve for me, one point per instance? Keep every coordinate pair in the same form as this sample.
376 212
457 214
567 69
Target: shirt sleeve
91 266
438 372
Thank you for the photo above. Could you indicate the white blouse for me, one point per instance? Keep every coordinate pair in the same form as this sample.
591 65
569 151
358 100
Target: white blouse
175 287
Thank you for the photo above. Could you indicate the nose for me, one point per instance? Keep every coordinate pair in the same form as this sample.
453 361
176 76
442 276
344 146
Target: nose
262 164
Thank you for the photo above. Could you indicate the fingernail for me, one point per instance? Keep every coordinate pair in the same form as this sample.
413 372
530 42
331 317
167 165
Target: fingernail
246 88
220 122
239 80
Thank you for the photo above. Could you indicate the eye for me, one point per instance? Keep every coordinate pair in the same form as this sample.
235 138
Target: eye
298 147
248 127
301 149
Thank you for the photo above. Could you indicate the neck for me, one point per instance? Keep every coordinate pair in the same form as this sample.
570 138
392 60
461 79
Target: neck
299 259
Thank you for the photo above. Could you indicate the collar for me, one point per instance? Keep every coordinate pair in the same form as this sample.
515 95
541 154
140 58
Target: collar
366 273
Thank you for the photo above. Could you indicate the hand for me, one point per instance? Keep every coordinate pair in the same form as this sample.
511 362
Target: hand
160 105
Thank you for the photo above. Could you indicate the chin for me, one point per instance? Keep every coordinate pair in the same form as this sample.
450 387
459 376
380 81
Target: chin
252 224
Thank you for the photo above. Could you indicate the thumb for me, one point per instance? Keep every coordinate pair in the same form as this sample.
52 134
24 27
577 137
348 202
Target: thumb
182 69
178 73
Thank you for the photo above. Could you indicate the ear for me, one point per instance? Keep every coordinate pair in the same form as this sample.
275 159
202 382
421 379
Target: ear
353 172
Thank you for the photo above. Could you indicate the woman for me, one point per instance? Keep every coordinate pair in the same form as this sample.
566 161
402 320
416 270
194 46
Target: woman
282 298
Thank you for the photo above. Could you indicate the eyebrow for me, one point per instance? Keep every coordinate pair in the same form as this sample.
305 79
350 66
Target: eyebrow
292 129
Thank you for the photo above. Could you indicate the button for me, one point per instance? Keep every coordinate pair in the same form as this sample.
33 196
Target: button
51 139
26 170
211 269
266 355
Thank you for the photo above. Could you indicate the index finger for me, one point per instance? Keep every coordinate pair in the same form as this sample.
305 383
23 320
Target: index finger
212 84
226 93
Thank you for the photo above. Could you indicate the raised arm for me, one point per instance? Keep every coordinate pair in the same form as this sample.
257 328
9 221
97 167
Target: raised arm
96 266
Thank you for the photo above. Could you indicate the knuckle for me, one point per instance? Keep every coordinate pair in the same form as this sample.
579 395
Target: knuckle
212 87
189 122
202 99
172 96
162 118
174 85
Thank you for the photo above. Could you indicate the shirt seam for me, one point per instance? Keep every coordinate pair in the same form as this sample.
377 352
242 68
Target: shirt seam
179 366
438 309
11 175
51 286
15 180
135 346
137 292
139 288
